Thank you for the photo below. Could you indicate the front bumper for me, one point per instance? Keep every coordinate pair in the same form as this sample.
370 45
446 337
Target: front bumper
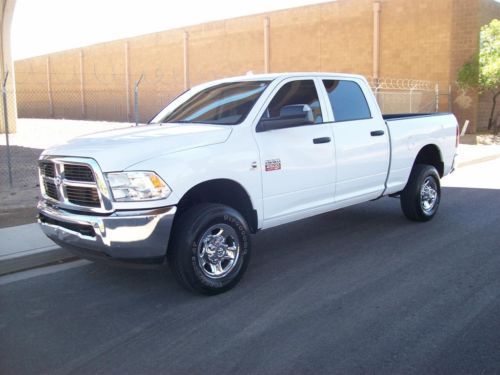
123 235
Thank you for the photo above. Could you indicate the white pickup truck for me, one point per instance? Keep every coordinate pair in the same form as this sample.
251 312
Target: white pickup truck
231 157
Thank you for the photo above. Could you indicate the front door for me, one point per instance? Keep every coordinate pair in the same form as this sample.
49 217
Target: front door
297 159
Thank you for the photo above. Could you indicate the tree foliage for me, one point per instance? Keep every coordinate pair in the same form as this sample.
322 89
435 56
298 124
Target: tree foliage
489 56
483 71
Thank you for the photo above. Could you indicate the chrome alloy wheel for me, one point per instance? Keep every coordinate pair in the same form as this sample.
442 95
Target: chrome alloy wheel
428 194
218 251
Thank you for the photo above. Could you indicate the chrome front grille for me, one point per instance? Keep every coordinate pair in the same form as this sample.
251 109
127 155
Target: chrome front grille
75 172
51 189
74 183
47 169
83 196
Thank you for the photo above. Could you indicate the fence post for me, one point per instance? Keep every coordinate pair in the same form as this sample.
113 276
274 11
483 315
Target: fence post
437 97
136 100
6 120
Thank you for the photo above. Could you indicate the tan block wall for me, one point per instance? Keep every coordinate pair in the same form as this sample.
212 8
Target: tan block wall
425 40
415 39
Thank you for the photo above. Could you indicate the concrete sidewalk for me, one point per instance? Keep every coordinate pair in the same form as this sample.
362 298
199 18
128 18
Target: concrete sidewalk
25 246
472 154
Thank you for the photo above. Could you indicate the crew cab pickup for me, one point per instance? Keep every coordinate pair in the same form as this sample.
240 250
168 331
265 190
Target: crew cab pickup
231 157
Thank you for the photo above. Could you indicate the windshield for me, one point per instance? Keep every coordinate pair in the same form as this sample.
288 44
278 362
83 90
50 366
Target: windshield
225 104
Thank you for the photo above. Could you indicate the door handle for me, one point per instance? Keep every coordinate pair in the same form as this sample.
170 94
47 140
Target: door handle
321 140
377 133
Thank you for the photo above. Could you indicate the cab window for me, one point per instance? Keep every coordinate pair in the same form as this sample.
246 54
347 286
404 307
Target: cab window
347 100
294 98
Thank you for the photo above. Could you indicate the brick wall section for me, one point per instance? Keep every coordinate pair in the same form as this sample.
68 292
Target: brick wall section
425 39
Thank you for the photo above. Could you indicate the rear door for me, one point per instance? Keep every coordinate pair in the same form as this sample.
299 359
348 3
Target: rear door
297 162
361 140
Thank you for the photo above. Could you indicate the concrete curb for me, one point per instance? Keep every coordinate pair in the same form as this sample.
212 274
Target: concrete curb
34 258
25 246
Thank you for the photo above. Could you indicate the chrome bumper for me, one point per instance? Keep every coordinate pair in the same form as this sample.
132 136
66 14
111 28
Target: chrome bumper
125 235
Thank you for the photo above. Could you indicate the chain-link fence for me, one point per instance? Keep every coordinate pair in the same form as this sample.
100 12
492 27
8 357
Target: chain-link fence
50 117
409 96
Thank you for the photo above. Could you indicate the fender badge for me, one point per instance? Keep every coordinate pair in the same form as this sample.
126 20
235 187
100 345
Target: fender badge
273 165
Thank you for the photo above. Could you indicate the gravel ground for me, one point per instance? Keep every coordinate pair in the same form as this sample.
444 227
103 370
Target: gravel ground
24 167
18 204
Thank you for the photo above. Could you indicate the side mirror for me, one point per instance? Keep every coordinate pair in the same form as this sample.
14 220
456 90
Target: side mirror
290 115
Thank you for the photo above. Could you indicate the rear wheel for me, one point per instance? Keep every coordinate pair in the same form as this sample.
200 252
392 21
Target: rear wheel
210 248
421 197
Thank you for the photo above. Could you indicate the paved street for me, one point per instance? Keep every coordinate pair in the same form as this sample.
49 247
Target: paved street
358 290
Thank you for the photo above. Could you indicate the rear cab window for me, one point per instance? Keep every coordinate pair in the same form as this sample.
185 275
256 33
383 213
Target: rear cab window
347 100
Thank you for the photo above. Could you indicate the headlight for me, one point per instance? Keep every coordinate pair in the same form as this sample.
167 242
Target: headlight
137 186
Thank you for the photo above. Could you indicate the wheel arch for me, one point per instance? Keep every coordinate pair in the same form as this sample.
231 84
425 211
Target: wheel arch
431 155
223 191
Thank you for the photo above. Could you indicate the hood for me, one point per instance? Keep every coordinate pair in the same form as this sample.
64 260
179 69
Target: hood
116 150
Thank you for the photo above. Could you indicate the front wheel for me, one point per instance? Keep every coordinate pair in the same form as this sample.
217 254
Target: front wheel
210 248
421 197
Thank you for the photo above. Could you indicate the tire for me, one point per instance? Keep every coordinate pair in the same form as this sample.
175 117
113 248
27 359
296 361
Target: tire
418 202
210 248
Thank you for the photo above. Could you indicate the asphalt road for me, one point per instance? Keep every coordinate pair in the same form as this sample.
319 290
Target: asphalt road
360 290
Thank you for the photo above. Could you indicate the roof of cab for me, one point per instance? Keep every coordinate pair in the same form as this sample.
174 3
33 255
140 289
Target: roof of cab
273 76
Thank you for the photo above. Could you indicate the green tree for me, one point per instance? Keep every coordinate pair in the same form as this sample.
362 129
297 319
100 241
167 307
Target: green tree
483 71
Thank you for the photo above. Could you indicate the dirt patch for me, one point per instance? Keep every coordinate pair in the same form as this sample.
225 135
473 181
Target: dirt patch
488 139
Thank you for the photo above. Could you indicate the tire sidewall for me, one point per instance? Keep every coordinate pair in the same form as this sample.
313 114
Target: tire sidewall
198 221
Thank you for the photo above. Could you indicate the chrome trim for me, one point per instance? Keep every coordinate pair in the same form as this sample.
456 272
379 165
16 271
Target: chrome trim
103 190
122 234
429 195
